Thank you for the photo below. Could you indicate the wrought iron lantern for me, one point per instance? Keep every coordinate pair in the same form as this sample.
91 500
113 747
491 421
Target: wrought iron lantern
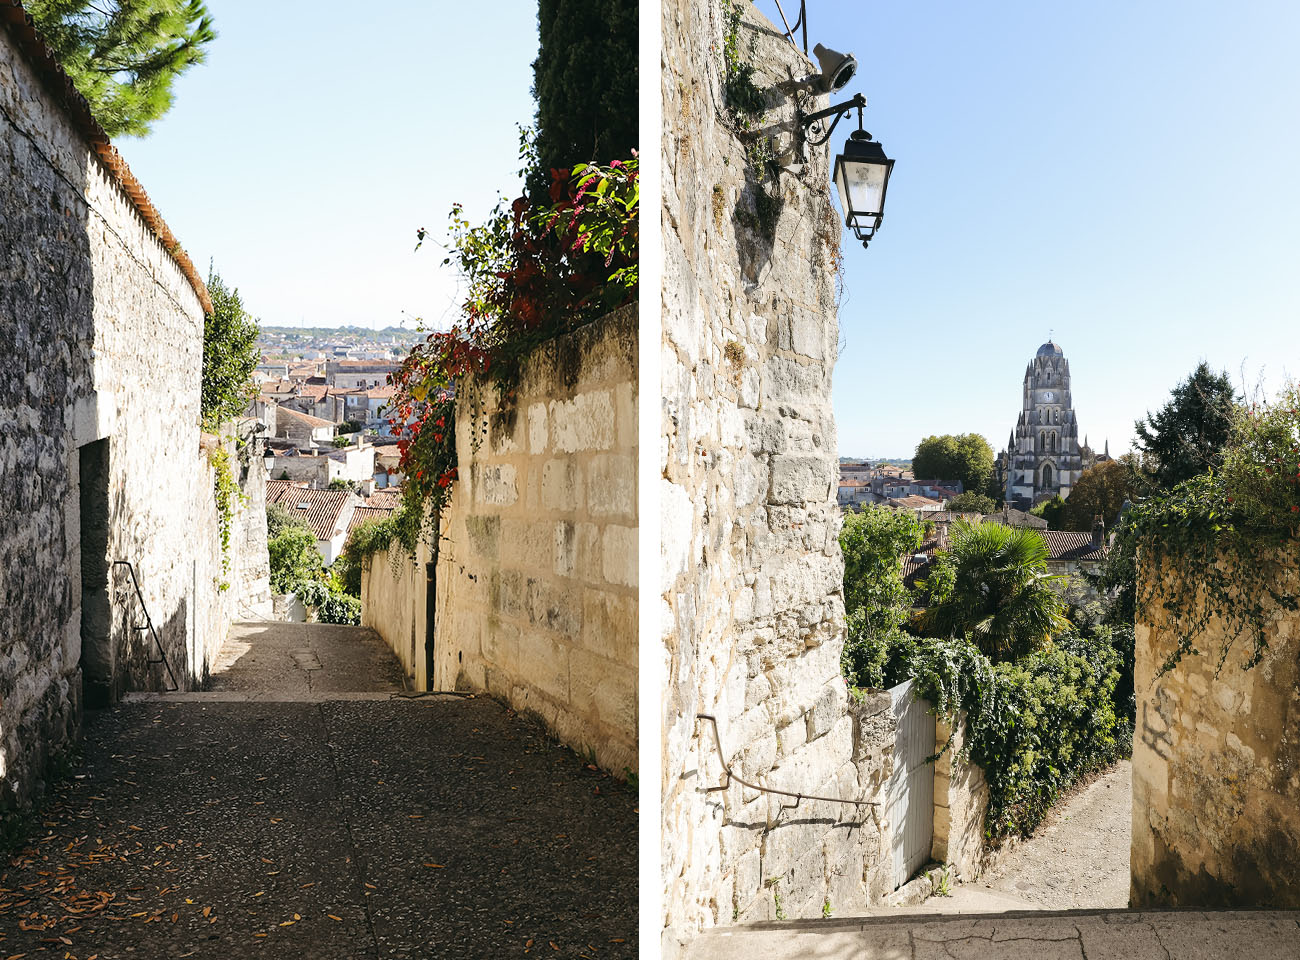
861 171
268 457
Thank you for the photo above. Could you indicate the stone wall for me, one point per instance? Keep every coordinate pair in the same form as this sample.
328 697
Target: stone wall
102 322
537 568
961 801
1216 760
394 590
752 574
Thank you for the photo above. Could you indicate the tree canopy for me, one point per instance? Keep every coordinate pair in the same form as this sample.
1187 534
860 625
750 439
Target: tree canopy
972 502
229 354
1187 435
123 55
1100 491
878 603
1053 511
585 83
964 458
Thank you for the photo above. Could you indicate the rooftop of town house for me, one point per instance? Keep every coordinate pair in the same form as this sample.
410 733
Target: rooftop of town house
916 562
320 508
1069 545
361 514
363 366
77 110
306 418
389 498
314 391
912 502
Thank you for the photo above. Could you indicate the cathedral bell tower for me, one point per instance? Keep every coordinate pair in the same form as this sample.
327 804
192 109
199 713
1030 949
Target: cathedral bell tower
1044 458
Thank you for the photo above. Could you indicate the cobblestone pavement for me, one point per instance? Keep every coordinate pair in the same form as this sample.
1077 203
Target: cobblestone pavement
323 824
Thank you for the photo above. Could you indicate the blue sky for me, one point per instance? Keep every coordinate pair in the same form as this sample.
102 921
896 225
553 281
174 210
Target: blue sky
315 140
1122 174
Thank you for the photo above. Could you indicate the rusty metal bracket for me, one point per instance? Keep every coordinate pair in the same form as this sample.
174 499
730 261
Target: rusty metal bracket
798 797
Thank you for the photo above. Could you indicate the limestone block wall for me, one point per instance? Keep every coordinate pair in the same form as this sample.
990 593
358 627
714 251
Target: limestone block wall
103 338
751 568
393 604
961 801
537 568
1216 760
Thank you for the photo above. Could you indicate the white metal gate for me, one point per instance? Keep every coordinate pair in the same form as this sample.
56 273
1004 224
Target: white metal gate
909 803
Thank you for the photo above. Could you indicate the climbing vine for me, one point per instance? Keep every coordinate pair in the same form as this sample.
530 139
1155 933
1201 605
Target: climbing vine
226 492
1034 726
531 273
1216 546
747 105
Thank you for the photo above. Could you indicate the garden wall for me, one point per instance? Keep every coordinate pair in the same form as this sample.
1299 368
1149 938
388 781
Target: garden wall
101 316
961 801
753 611
537 568
1216 760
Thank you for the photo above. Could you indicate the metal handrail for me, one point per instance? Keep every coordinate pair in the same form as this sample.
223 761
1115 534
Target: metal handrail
722 755
148 624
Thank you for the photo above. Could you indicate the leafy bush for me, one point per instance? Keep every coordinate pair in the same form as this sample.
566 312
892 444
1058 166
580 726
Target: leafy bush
874 542
279 519
230 356
1034 726
331 606
367 539
971 502
292 552
1261 464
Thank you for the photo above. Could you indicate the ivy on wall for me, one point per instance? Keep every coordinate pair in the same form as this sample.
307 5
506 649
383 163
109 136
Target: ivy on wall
226 492
1216 547
1034 726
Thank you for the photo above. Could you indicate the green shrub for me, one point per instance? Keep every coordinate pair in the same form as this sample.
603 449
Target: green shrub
331 606
294 559
367 539
1034 726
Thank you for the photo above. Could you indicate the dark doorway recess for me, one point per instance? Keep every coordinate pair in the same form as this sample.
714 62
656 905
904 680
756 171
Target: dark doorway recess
96 612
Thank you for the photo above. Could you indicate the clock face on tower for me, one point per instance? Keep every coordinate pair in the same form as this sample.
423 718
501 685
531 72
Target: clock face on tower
1049 396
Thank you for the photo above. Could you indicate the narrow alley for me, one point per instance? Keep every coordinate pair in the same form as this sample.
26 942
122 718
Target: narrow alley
1077 859
305 807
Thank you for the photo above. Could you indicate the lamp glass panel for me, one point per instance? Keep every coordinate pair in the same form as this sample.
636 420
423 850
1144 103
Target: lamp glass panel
861 185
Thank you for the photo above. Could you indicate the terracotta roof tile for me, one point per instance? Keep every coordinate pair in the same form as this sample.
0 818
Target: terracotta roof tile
388 498
320 508
306 418
361 514
1068 545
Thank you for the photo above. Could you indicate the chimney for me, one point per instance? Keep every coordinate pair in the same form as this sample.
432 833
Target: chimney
1098 531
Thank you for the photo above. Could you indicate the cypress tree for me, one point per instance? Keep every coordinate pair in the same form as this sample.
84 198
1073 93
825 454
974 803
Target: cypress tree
585 84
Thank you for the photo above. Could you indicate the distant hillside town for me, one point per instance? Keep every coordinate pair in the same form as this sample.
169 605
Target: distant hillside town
323 395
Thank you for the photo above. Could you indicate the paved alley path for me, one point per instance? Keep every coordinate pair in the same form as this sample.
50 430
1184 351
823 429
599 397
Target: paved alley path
1077 859
322 816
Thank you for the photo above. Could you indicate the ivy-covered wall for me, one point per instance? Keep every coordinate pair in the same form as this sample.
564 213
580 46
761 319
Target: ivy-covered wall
1216 758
